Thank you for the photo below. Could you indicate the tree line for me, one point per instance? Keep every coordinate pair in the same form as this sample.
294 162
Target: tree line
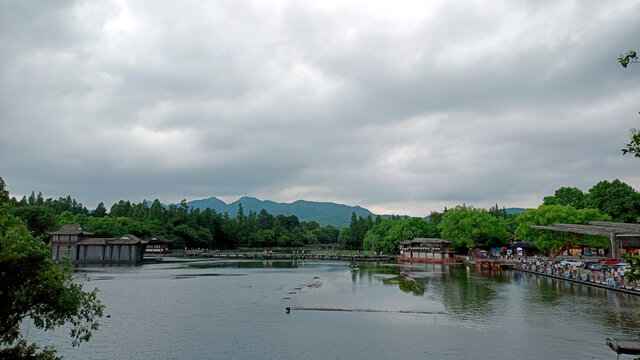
467 227
188 227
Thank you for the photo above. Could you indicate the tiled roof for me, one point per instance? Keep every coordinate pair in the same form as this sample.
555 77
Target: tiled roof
70 229
127 239
158 239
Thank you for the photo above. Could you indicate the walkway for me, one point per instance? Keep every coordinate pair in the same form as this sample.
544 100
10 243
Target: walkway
582 276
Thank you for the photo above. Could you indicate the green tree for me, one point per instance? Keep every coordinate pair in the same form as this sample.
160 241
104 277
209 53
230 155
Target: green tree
156 212
567 196
388 235
240 215
556 242
265 220
100 211
473 228
631 57
346 239
633 147
34 287
615 198
121 208
326 234
4 194
39 219
140 211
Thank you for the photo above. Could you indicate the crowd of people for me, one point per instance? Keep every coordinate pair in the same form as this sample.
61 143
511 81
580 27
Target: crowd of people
610 277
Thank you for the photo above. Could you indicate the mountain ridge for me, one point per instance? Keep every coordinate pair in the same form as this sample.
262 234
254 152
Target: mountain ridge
323 212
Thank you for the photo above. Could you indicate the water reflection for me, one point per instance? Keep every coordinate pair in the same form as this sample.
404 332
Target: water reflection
276 264
234 309
406 284
488 295
615 310
461 293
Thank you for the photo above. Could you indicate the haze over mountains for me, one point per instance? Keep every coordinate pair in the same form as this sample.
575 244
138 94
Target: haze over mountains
322 212
325 213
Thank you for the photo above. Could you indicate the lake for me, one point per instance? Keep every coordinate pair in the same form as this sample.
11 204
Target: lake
224 309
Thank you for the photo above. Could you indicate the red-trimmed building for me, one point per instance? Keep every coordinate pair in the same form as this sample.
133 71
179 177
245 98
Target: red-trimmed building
158 245
427 250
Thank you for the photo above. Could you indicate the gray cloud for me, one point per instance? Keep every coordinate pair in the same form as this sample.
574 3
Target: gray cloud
399 107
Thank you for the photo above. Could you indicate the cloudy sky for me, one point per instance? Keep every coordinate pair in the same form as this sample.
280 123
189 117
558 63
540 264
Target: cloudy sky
398 106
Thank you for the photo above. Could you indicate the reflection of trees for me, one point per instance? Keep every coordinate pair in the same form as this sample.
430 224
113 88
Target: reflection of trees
472 294
406 284
614 310
277 264
466 294
400 278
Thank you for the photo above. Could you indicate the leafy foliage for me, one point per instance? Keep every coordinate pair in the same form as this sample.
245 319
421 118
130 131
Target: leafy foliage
35 287
188 227
556 241
352 237
633 147
473 228
567 196
388 234
631 57
615 198
634 266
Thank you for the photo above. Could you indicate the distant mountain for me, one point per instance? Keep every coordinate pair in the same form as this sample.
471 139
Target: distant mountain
322 212
325 213
515 210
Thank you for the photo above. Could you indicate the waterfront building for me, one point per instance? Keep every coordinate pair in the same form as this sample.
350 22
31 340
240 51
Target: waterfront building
157 244
72 241
427 250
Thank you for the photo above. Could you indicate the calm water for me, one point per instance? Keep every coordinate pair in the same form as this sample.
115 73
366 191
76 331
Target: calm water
236 310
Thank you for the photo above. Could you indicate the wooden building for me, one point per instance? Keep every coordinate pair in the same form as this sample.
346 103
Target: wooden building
158 244
64 241
426 250
72 241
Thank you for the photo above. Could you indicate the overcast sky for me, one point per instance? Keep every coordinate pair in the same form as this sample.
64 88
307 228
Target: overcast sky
397 106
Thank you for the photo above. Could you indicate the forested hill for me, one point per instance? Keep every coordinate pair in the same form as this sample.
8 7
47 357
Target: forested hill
325 213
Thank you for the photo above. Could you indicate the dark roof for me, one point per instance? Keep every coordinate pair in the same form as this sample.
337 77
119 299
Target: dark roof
159 239
629 241
70 229
94 241
127 239
429 241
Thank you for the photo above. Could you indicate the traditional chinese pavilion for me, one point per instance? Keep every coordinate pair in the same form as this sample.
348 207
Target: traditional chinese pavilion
427 250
